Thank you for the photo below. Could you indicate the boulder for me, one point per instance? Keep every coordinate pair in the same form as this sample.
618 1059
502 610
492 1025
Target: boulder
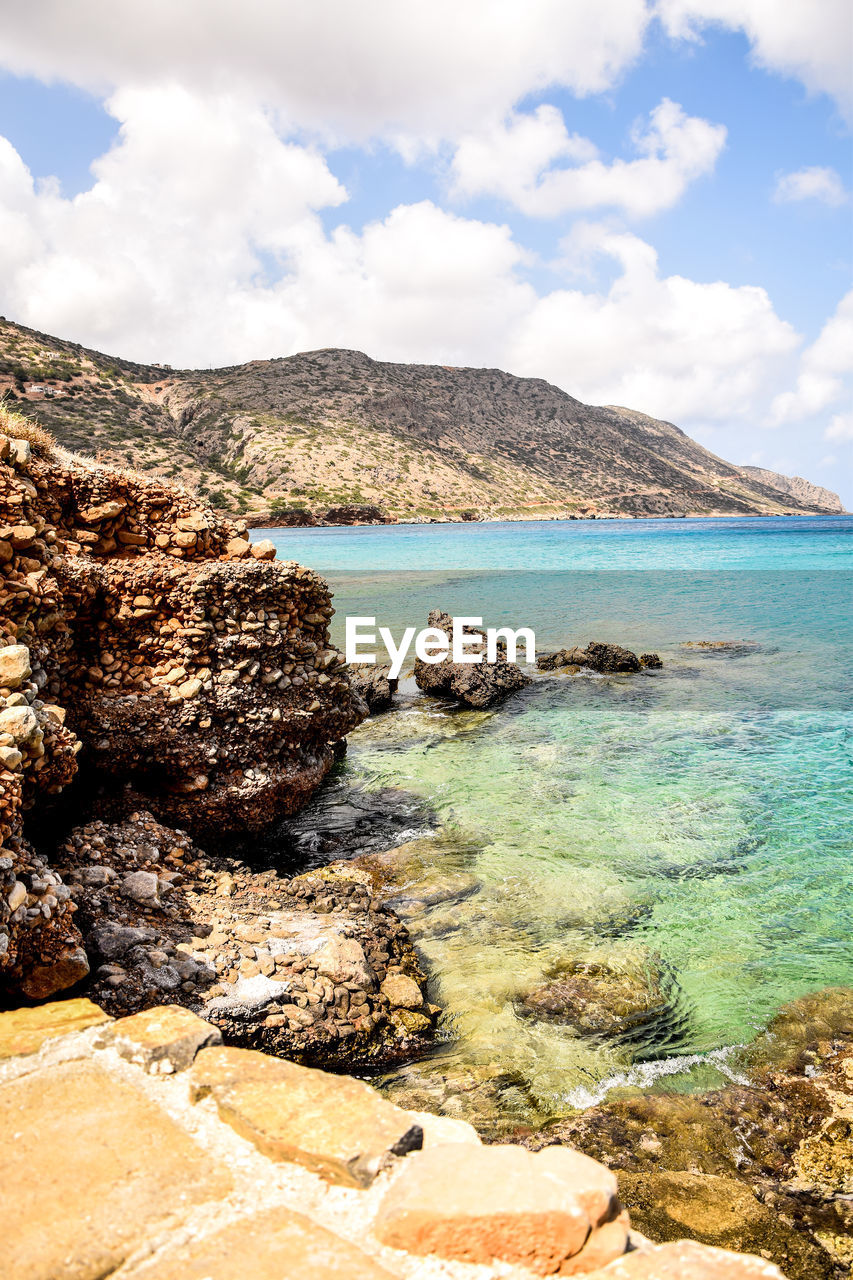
335 1126
374 684
483 1205
598 998
610 658
14 666
476 684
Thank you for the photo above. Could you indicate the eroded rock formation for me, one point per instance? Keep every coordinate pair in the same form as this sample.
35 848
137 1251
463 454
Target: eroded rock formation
194 668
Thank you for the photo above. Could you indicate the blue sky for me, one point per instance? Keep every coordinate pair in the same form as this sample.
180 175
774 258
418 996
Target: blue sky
645 204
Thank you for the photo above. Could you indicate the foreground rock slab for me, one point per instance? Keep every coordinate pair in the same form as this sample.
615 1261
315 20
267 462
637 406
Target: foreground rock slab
481 1204
93 1169
334 1125
24 1031
686 1260
282 1245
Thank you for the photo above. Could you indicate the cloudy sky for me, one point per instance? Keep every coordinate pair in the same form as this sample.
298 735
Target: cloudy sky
647 202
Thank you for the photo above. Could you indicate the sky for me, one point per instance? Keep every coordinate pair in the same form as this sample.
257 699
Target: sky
646 202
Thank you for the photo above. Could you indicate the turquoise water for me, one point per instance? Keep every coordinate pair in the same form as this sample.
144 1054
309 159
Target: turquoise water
691 823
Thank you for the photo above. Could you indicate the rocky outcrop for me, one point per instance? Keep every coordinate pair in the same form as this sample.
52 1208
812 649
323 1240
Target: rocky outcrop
475 684
762 1165
350 514
608 659
170 1156
195 669
313 967
374 684
810 495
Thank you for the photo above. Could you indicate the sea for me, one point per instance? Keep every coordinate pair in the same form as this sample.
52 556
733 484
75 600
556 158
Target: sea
687 828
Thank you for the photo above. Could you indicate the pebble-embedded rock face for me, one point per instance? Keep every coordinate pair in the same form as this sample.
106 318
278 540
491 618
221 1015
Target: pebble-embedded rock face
194 668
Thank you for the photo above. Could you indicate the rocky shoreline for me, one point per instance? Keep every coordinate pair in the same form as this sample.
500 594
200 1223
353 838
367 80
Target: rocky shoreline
168 688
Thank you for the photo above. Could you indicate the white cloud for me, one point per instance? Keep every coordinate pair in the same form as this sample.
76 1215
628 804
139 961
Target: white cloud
690 352
522 161
807 39
840 427
352 70
823 369
812 183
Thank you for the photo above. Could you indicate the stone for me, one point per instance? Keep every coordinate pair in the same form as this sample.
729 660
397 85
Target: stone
335 1126
10 757
142 887
114 940
21 723
44 979
102 511
603 1245
443 1130
282 1245
14 665
343 960
687 1260
237 548
24 1031
90 1170
401 992
597 997
610 658
195 522
482 1205
264 550
162 1040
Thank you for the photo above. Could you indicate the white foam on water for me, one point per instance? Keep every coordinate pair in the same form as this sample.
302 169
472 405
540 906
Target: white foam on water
646 1074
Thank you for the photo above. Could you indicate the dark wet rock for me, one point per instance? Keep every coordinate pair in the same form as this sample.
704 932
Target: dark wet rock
476 684
352 514
610 658
374 684
600 999
344 822
782 1136
575 658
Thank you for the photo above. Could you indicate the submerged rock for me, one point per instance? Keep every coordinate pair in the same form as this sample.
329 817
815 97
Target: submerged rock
476 684
600 999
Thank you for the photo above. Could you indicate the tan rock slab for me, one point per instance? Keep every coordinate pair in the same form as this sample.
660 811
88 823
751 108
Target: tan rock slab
594 1185
282 1245
24 1031
603 1244
162 1040
90 1167
687 1260
333 1125
482 1205
440 1130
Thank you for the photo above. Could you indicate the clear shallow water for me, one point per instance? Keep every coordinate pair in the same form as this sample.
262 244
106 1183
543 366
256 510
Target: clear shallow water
692 822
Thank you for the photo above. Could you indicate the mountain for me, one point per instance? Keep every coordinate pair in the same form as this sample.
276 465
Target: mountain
335 427
797 487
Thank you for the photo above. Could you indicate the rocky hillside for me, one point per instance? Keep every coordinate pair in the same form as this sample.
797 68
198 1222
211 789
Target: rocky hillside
797 487
331 428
